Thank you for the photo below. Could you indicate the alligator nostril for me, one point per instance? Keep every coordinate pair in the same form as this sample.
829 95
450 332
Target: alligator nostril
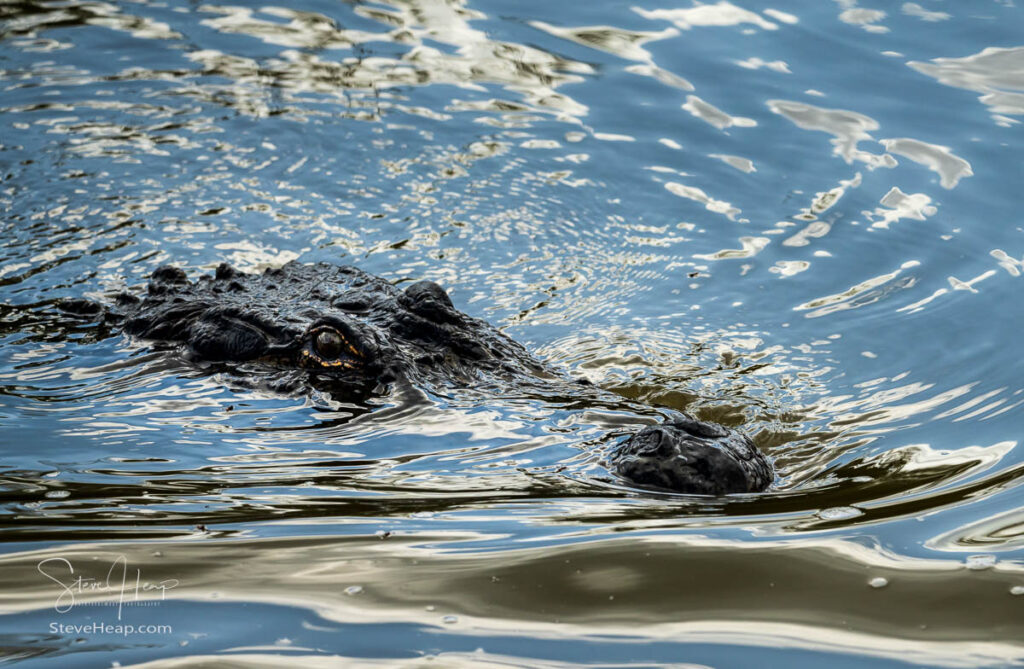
652 441
699 428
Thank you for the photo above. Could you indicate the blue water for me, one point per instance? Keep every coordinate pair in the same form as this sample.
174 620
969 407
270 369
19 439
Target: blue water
800 221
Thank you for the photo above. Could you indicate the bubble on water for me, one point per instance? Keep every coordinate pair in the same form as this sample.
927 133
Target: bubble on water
450 620
1017 590
878 582
980 562
353 589
57 494
840 513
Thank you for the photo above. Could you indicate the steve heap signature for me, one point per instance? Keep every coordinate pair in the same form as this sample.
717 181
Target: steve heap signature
120 580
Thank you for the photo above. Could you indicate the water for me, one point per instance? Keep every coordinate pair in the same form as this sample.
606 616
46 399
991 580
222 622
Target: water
799 221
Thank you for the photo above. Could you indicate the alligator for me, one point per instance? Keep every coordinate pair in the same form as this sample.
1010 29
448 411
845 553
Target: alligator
355 334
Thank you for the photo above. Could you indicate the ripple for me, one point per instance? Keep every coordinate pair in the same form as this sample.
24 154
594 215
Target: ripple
790 231
623 43
715 116
722 13
587 592
994 72
847 127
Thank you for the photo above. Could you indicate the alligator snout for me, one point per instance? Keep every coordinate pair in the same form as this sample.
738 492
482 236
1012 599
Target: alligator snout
691 456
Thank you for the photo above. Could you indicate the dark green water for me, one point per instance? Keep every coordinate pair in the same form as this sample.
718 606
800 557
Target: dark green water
803 222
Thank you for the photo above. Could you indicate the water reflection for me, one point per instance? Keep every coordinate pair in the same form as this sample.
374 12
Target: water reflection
720 14
994 72
848 128
490 444
601 592
793 221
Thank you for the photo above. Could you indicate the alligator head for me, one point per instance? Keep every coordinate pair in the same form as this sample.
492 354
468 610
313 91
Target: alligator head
337 324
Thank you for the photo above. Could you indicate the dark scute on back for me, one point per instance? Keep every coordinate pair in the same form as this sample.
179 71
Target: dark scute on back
691 456
429 300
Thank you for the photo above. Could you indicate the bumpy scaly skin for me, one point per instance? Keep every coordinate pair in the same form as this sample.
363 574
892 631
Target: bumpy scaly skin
276 319
339 327
691 456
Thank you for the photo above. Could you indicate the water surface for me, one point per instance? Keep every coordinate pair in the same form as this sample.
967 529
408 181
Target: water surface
800 221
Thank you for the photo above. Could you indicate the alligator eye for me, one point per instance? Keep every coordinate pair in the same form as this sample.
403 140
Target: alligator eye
328 344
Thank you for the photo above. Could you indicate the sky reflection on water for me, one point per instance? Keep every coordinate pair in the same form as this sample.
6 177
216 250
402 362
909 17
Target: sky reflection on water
796 221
